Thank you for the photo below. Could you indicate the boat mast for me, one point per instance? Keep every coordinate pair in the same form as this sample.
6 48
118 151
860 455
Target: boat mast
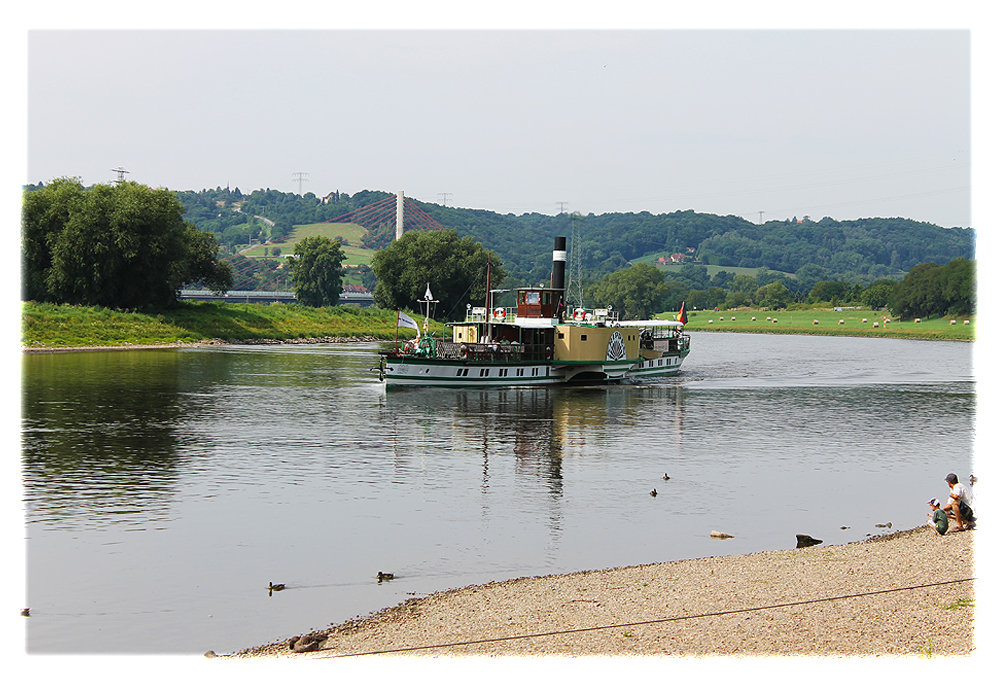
428 300
489 298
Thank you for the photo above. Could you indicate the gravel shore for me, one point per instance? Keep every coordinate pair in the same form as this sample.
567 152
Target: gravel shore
737 605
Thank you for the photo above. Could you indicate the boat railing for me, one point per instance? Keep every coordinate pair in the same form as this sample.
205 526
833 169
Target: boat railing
473 351
501 314
665 340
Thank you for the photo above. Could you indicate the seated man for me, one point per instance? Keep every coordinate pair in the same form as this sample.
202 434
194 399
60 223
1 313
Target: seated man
958 505
938 519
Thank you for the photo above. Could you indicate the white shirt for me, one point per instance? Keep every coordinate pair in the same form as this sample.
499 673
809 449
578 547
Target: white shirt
961 494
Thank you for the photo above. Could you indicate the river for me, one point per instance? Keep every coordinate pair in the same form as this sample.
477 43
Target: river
165 489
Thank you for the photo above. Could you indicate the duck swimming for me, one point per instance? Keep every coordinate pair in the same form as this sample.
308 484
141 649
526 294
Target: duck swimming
385 576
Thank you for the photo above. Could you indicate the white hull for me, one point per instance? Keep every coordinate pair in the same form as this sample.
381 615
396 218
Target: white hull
429 372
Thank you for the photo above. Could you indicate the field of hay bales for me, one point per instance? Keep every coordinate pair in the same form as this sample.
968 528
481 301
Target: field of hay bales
850 322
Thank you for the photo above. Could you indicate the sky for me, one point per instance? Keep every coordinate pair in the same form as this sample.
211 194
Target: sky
765 124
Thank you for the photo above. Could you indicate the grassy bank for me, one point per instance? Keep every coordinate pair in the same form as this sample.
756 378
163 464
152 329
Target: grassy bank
828 322
55 325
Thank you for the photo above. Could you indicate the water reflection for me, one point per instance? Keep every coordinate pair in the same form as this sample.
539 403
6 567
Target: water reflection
100 444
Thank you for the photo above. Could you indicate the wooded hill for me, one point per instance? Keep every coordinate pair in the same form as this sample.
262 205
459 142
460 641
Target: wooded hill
859 250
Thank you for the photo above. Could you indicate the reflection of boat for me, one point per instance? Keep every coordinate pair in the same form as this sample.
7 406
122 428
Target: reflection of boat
539 342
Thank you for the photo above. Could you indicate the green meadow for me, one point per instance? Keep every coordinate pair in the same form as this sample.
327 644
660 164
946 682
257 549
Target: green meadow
52 325
855 323
352 234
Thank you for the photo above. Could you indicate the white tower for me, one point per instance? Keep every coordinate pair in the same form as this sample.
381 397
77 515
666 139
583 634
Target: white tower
399 214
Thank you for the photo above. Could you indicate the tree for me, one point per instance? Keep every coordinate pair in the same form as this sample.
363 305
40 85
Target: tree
827 290
455 268
774 295
932 290
636 292
121 246
878 294
317 271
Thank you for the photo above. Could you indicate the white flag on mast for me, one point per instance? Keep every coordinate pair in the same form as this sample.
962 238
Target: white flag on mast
427 295
407 322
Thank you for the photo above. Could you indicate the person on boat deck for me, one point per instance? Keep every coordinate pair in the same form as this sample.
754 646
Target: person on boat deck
958 504
938 519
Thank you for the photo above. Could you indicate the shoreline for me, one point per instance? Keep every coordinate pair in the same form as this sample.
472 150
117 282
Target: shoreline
330 339
880 597
336 339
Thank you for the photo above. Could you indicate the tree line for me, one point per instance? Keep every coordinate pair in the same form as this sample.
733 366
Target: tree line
863 250
130 246
929 290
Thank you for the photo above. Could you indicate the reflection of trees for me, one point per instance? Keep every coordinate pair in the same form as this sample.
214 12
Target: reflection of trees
99 434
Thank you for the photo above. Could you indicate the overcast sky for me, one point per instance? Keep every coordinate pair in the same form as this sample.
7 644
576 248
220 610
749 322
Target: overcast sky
758 123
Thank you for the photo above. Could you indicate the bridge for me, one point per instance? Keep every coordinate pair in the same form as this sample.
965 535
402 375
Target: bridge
266 277
350 298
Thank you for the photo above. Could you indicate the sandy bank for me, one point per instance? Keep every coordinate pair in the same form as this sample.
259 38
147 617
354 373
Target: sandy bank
733 605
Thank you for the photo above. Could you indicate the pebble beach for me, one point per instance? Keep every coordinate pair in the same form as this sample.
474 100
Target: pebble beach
887 596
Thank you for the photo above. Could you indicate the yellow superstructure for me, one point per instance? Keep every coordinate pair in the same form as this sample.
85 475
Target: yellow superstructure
586 343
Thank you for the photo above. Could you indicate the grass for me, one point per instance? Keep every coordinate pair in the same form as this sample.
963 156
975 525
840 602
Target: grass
855 324
961 603
54 325
351 232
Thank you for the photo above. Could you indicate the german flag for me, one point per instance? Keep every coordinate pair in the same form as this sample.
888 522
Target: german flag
682 315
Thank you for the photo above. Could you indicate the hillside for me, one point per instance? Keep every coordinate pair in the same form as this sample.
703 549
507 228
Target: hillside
864 250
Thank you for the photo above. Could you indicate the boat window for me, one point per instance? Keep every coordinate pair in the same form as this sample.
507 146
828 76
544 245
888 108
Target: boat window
532 297
583 338
546 297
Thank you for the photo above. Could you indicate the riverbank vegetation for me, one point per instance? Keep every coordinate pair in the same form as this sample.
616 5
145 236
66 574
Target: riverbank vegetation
120 246
64 326
61 325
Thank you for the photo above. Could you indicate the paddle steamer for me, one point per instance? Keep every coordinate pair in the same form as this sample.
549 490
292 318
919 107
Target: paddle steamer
538 342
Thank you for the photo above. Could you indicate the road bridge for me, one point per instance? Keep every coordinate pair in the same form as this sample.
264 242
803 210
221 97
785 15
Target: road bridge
352 298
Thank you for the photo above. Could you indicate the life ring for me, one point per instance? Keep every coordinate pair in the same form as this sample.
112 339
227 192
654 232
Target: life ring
579 314
500 313
464 351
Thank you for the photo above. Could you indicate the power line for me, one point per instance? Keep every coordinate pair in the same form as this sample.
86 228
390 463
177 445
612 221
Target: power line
445 194
658 621
562 206
121 174
299 176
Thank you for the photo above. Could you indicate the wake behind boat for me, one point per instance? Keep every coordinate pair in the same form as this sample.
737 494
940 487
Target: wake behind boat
539 342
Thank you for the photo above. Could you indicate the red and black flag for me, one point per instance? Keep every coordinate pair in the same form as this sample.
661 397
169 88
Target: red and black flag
682 315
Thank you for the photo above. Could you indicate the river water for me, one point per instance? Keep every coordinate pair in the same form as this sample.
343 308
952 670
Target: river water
165 489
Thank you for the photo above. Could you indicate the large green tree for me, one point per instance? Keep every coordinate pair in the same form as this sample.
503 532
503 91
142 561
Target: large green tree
118 246
932 290
635 292
878 294
454 267
317 271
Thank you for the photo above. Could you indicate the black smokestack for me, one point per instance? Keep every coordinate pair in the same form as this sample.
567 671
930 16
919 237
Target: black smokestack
559 264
